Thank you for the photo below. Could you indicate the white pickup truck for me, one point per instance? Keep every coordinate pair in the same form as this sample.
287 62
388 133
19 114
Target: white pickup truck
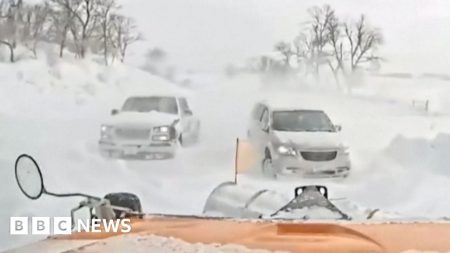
149 127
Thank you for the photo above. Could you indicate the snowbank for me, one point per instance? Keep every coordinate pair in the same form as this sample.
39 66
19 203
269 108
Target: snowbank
70 88
433 153
413 91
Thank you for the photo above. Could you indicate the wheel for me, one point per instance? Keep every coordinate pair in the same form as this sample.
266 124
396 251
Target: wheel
189 140
169 156
345 175
194 138
267 167
181 140
107 154
197 133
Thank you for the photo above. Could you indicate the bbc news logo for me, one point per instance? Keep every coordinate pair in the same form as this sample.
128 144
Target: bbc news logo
63 226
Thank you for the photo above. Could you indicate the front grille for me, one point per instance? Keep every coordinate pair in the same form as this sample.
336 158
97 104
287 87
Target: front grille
132 133
317 156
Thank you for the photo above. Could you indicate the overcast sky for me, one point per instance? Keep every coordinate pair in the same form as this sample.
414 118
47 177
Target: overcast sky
208 34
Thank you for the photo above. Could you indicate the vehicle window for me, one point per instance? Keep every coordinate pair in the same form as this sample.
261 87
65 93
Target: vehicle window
148 104
184 104
308 121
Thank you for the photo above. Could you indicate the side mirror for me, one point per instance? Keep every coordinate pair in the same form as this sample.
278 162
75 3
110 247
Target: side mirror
264 127
29 177
338 128
188 112
31 183
114 112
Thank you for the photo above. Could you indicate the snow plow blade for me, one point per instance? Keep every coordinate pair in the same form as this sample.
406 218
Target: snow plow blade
235 201
231 200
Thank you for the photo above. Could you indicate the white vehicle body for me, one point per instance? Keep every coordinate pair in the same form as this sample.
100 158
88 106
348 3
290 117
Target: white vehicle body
311 151
149 126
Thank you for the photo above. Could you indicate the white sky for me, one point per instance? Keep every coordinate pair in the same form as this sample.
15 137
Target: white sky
207 34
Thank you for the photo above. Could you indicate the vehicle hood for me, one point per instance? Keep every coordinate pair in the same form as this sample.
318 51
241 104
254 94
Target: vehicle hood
309 139
152 118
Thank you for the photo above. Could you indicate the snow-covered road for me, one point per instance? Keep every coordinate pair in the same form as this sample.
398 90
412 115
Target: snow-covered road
391 172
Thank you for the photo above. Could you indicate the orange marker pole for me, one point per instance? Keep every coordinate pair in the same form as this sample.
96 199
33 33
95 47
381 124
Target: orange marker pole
236 159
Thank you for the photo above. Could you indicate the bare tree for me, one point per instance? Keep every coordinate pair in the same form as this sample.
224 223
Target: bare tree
125 34
11 17
336 59
34 23
75 24
300 47
106 9
62 16
363 40
156 55
88 20
319 34
154 58
286 52
304 52
84 21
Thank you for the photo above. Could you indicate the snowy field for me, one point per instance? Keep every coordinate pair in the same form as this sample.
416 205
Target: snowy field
399 153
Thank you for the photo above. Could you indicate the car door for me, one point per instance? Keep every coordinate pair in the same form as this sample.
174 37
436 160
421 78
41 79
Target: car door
254 121
261 134
188 120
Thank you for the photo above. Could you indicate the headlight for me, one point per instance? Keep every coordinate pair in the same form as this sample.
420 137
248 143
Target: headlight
106 128
162 129
345 150
105 131
161 138
286 150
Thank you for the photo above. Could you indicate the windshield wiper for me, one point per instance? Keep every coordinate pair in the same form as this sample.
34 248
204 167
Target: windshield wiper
318 130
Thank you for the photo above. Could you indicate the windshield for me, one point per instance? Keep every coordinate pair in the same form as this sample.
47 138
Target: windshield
301 121
148 104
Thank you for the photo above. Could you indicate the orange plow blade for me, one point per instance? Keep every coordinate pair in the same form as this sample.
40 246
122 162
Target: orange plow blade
293 237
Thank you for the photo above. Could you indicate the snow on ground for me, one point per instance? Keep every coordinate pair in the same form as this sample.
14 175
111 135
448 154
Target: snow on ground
54 113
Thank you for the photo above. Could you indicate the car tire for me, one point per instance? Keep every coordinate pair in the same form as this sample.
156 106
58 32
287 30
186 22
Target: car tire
196 135
181 140
197 132
169 156
107 154
267 167
189 140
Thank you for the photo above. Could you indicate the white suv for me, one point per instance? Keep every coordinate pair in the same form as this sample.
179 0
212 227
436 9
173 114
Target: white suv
149 127
297 141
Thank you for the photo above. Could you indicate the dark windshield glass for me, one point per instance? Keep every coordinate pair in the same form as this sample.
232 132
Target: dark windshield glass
304 120
148 104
